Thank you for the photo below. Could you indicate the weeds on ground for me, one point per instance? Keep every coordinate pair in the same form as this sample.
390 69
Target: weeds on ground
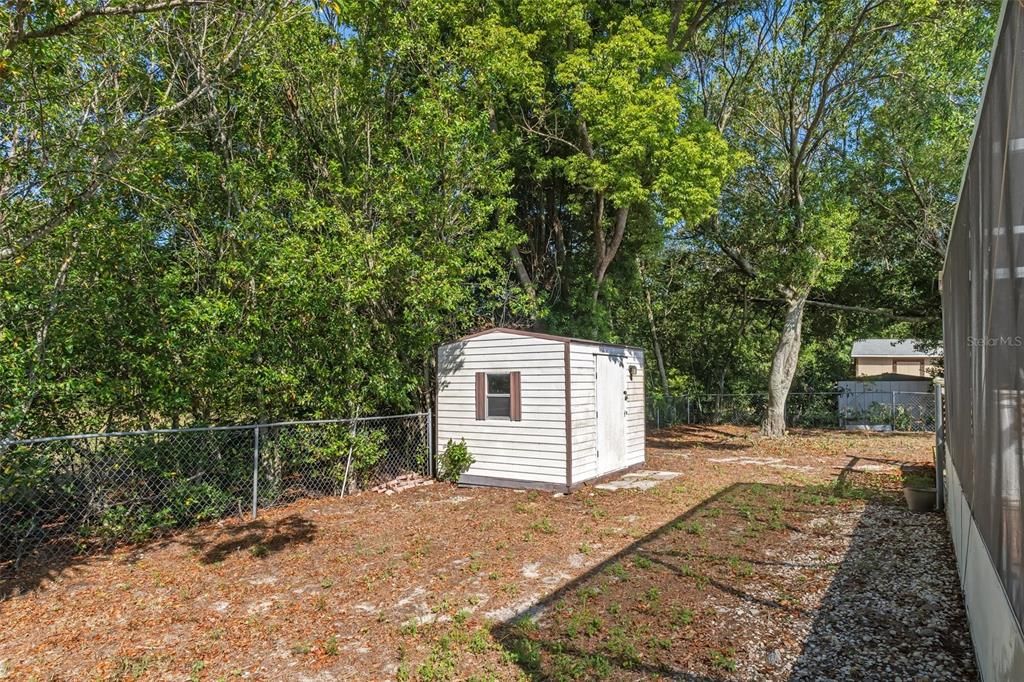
642 562
832 494
584 622
543 526
617 570
681 617
723 660
740 568
621 646
131 667
691 527
449 646
330 646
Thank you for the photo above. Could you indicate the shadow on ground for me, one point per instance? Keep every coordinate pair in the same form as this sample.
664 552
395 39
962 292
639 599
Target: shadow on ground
683 436
758 582
214 542
259 538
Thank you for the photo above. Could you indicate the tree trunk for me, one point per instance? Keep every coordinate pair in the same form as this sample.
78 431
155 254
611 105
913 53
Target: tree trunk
784 368
606 252
522 274
654 329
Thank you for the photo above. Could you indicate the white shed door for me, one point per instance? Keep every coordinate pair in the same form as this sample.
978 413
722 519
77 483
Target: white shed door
611 412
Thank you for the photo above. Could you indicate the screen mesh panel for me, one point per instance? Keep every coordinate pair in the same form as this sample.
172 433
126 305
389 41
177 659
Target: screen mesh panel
983 311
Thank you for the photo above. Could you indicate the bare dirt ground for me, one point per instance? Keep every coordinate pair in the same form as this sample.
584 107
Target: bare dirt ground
762 560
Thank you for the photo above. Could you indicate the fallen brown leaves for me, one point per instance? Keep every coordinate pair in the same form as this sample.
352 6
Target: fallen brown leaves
434 582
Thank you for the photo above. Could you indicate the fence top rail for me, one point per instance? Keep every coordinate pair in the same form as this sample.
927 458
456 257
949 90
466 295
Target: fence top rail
196 429
791 394
694 396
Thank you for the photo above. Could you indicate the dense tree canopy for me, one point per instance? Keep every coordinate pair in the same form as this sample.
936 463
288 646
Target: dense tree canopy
226 211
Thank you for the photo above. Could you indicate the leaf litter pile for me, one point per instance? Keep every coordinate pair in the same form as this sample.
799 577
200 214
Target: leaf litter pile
764 559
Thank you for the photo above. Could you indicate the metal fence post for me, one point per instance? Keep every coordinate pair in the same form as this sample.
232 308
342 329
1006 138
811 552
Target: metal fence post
430 442
255 468
892 408
940 447
687 409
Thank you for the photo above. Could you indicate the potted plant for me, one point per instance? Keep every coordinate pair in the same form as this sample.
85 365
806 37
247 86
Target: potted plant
919 491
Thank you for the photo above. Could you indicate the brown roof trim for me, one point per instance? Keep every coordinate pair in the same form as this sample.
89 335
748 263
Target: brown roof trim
540 335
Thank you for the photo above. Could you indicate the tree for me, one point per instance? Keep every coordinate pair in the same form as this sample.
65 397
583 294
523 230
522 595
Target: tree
293 242
606 152
783 223
906 168
71 128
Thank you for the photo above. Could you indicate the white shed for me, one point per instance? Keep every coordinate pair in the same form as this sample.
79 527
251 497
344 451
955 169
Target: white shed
541 411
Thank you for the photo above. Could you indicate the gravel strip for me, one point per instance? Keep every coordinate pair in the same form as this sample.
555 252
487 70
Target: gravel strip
894 609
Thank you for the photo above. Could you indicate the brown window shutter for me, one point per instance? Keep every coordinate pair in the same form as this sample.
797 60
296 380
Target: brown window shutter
481 395
516 408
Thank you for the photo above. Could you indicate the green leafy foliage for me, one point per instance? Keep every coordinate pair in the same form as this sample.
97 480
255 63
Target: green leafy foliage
232 212
330 451
292 243
454 461
184 504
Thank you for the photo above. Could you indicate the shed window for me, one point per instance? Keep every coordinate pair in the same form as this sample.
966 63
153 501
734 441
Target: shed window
498 396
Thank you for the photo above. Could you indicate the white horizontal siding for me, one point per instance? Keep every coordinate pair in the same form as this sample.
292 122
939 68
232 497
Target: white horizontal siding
532 449
541 391
515 472
542 417
523 439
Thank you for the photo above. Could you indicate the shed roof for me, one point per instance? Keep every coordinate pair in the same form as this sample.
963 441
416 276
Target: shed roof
890 348
540 335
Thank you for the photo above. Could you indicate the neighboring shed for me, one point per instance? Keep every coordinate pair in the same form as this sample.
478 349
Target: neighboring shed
872 357
541 411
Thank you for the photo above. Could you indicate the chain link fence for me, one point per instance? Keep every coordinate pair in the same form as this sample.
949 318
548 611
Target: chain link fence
71 495
876 411
888 410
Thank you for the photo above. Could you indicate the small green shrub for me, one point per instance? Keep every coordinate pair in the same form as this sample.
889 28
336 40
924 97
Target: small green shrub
330 647
455 461
185 504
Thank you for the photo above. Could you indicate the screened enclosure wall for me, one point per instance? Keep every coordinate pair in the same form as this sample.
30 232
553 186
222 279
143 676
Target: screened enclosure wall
983 316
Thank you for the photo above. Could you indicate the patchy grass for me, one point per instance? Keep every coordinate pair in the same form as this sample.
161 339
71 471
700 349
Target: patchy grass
431 584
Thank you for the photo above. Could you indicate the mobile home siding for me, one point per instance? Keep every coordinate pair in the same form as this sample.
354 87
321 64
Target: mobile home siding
532 449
